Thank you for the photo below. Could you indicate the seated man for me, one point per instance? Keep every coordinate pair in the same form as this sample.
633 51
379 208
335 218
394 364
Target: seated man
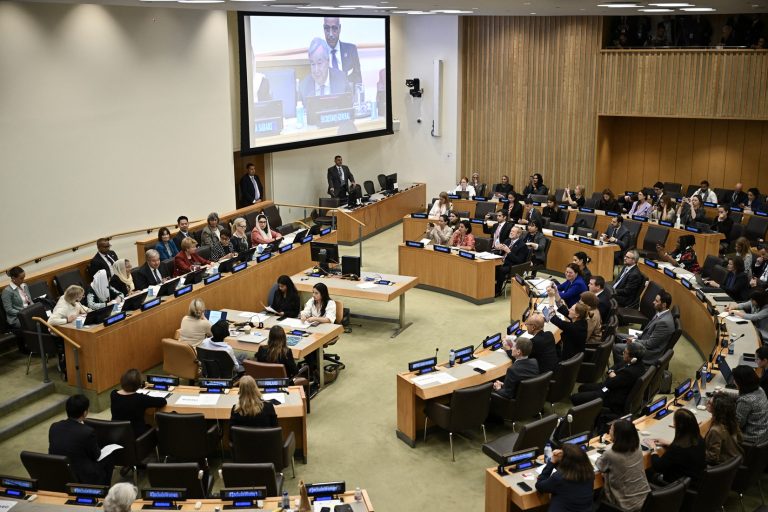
705 193
219 332
629 284
530 213
656 334
183 224
543 348
77 441
150 273
619 235
515 252
104 258
597 286
523 368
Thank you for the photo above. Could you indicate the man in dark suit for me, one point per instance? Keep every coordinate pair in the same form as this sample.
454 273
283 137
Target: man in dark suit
322 79
629 284
150 273
339 179
183 224
350 62
543 344
530 213
251 189
656 334
597 286
77 441
500 230
523 368
619 235
537 242
104 258
736 198
515 251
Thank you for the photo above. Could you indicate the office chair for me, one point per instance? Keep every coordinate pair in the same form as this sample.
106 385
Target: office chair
181 475
528 401
595 361
369 188
252 474
662 365
179 359
250 444
216 364
52 472
29 335
583 419
646 311
185 437
714 486
636 398
135 450
563 379
531 435
750 471
67 279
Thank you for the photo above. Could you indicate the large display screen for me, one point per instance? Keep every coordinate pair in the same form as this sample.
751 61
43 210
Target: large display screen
309 80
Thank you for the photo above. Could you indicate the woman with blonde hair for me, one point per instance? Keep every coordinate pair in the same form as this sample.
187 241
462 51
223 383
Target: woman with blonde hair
251 410
68 307
239 239
441 206
187 260
194 326
122 280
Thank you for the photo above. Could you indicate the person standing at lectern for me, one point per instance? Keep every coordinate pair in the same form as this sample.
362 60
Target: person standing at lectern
251 190
339 179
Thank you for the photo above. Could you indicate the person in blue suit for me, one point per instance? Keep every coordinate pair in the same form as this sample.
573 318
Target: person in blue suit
570 290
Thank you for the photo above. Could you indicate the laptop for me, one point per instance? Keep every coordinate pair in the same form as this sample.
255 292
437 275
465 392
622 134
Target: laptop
463 194
168 287
214 316
194 277
273 246
706 287
725 371
97 316
134 301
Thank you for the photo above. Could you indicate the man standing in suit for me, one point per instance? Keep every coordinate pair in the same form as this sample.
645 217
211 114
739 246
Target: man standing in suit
77 441
515 251
150 273
629 284
183 224
657 332
322 80
16 296
500 230
104 258
339 179
251 190
523 368
619 235
350 62
597 286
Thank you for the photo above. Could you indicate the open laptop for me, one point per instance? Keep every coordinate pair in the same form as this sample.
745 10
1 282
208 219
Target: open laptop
726 372
214 316
706 288
134 301
97 316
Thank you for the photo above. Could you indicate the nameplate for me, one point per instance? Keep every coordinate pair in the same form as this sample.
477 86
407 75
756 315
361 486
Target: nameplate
417 245
453 196
563 206
611 214
477 221
418 215
536 203
761 214
466 254
560 234
183 291
150 304
480 198
114 319
218 391
162 380
736 209
692 229
325 231
504 200
587 241
661 414
240 266
686 283
286 248
212 279
701 296
651 263
640 218
306 239
666 223
263 257
710 204
315 274
383 282
629 192
586 210
668 272
441 248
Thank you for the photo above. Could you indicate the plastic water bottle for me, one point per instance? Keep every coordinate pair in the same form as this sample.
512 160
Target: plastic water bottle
451 358
286 503
300 115
731 345
358 494
704 376
547 452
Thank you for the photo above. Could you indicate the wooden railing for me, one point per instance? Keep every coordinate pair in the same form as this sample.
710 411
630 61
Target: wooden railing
75 349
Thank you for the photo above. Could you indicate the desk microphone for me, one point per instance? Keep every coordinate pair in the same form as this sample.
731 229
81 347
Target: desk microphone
436 351
729 344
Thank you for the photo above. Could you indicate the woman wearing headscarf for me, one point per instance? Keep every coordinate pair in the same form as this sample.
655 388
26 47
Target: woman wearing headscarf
121 280
262 233
683 256
100 294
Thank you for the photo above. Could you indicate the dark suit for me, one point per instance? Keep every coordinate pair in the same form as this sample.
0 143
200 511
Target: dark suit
534 214
518 253
626 290
735 198
604 306
98 263
555 214
179 237
540 254
503 234
143 278
655 338
623 240
248 192
521 369
78 443
544 351
337 83
334 181
350 62
737 286
619 388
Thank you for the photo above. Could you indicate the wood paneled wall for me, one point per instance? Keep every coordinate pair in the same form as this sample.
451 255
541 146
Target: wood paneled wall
635 152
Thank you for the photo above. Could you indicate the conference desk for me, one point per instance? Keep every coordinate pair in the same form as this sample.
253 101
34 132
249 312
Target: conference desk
291 415
469 279
366 289
380 215
48 501
561 253
107 352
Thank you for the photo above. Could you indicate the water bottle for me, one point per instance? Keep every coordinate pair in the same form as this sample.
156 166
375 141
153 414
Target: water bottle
358 494
547 452
451 357
704 376
300 115
286 502
731 344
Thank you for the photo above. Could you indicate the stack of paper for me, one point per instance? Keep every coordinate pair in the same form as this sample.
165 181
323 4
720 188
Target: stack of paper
483 365
433 378
294 322
366 286
154 393
202 399
488 256
277 397
252 338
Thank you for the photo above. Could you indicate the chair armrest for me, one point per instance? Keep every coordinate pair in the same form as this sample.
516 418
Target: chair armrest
303 372
289 447
145 443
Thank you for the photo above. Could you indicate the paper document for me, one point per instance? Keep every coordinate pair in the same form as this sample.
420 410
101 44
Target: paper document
107 450
6 505
366 286
252 338
635 332
425 241
154 393
434 378
723 314
488 256
202 399
330 504
294 322
732 318
278 397
246 314
483 365
270 310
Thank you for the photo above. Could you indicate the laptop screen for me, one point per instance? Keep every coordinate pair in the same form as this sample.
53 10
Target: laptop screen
214 316
725 370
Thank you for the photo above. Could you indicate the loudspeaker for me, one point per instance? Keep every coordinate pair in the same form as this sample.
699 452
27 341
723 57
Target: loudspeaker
350 265
437 99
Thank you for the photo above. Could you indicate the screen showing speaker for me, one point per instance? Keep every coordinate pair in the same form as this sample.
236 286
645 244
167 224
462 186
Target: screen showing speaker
309 80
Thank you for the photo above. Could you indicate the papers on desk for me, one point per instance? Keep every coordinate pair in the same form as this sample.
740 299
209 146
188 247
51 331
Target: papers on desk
107 450
6 505
483 365
203 399
433 378
488 256
366 286
317 506
252 338
727 316
635 333
277 397
426 241
154 393
247 314
296 323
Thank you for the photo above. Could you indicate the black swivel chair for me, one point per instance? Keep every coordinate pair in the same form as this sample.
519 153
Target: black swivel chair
636 398
484 207
656 235
563 379
587 232
662 365
646 311
633 226
751 469
756 228
30 338
185 437
468 408
595 361
714 486
181 475
40 288
482 244
382 179
166 267
532 435
661 499
528 402
52 472
135 450
370 189
556 226
322 215
216 364
250 474
583 419
263 445
67 279
585 220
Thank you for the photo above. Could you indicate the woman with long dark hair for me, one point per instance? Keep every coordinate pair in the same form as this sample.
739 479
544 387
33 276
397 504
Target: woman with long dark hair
685 456
624 482
277 351
724 438
320 308
286 301
571 486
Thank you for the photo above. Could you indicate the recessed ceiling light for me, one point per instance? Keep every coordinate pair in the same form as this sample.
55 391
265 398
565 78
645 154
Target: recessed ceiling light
327 8
449 11
234 0
697 9
533 14
672 4
411 12
656 10
200 1
620 5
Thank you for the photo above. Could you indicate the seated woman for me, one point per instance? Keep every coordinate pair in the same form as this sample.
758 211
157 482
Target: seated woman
736 283
68 307
188 260
615 389
503 188
553 212
624 482
573 339
691 210
439 233
453 220
723 223
464 186
755 310
754 200
751 405
277 352
319 308
664 211
582 260
239 240
571 289
514 208
128 405
462 237
723 440
683 256
574 198
641 206
262 233
286 300
251 410
441 207
211 231
744 251
165 245
100 294
571 486
194 326
594 321
608 202
535 186
685 456
122 280
222 249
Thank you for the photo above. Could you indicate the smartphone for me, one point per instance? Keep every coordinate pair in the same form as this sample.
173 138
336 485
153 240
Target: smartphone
524 486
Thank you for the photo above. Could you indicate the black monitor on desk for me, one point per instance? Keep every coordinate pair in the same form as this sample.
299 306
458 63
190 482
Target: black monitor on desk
324 254
392 183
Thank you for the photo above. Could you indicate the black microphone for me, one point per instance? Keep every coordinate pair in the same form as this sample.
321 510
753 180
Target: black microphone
734 340
436 351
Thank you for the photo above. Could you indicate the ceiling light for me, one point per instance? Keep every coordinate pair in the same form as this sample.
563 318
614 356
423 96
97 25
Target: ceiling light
697 9
288 5
326 8
672 4
450 11
620 5
200 1
410 12
656 10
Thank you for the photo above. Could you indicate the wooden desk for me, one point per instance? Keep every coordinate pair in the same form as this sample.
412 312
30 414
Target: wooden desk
135 342
469 205
382 214
471 280
292 415
519 299
562 250
338 287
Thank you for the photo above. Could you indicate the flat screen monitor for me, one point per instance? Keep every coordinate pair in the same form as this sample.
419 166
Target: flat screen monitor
324 254
392 182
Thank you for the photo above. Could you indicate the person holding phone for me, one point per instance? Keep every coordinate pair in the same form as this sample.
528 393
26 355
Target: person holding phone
439 233
571 485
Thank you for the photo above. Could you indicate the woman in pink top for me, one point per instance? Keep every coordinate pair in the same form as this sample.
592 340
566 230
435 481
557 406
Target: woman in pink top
262 234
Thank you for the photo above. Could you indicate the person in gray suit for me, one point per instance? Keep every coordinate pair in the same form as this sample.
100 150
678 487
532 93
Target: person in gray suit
16 296
322 79
657 332
523 368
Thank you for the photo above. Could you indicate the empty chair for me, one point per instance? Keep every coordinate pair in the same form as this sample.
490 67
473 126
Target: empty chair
528 401
166 267
323 215
468 409
382 179
633 226
736 232
179 359
563 379
482 243
484 207
609 328
556 226
181 475
66 279
718 274
369 188
691 189
253 474
216 364
52 472
750 471
531 435
185 437
583 418
755 228
559 195
585 220
29 334
273 215
542 265
285 229
462 214
643 315
661 366
263 445
539 198
713 488
593 367
672 187
40 288
636 398
134 451
655 235
590 233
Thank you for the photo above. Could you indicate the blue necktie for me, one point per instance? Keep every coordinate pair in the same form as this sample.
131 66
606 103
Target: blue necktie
334 60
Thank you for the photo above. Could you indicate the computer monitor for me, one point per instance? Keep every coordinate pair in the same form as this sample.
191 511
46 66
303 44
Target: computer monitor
350 265
214 316
134 301
354 198
324 254
725 371
97 316
392 182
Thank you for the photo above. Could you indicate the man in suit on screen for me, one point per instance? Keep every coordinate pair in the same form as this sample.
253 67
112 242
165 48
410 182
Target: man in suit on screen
322 80
343 55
